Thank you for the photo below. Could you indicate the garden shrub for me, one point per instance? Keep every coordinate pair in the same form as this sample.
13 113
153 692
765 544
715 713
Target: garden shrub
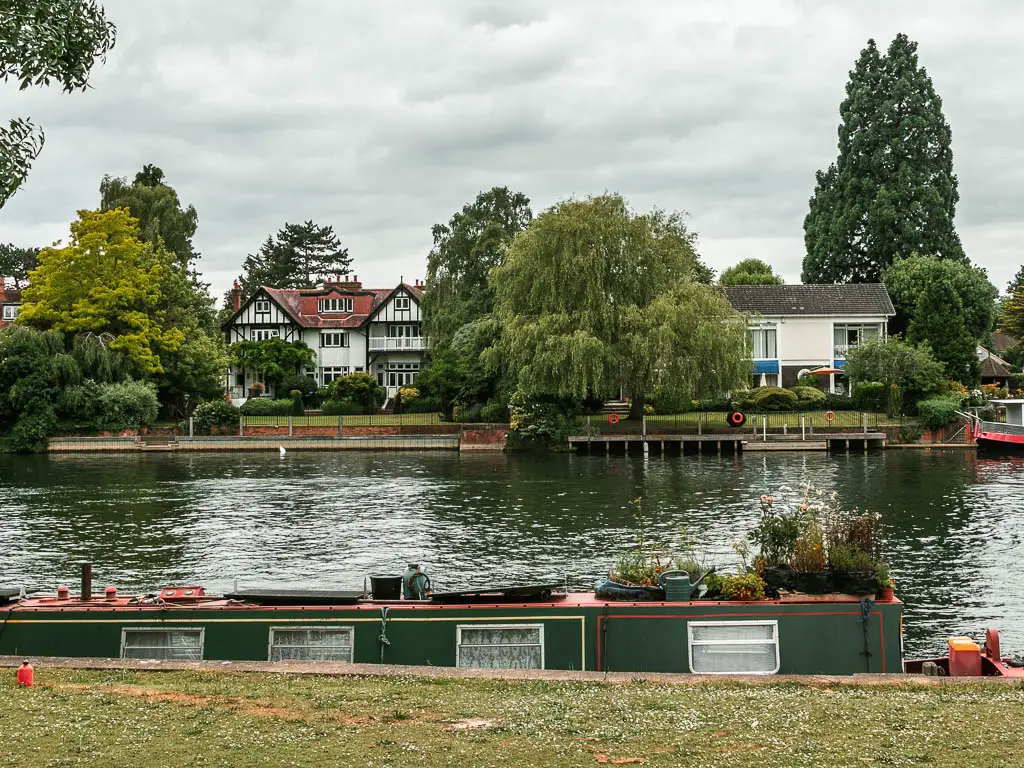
127 405
910 433
359 387
834 402
745 587
494 413
423 405
938 412
538 424
869 396
720 405
408 396
773 399
298 409
211 414
341 408
302 382
262 406
808 380
666 401
467 414
810 398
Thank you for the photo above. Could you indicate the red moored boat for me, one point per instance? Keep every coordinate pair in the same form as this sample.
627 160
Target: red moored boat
1005 436
967 659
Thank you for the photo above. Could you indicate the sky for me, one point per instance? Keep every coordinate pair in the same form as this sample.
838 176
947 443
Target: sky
383 118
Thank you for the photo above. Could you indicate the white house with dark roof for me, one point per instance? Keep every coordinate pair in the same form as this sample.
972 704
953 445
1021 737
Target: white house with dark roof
10 303
349 327
798 328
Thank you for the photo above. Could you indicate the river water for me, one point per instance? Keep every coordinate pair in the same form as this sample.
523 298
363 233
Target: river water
954 522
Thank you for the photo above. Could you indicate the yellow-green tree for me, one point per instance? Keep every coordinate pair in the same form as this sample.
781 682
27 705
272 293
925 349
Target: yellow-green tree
108 282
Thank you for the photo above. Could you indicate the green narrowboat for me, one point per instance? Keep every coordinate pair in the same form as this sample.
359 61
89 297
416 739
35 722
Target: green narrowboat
518 628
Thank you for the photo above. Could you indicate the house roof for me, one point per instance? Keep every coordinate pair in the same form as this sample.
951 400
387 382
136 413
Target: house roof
774 300
289 299
993 366
1003 341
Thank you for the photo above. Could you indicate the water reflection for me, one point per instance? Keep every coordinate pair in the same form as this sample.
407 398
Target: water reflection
952 520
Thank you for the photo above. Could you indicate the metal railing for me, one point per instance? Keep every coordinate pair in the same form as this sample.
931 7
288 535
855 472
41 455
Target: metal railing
1002 429
712 422
398 343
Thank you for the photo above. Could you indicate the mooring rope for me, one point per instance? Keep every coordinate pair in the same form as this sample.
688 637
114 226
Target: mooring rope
383 637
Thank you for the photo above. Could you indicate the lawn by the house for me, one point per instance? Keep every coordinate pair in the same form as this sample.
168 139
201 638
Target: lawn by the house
133 719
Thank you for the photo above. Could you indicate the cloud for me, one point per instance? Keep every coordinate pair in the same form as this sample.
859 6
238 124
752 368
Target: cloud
383 118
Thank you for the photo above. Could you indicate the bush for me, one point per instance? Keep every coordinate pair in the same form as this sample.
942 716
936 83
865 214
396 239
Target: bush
210 414
359 387
467 414
127 405
869 395
910 433
538 424
834 402
306 386
341 408
938 412
297 407
810 398
667 400
409 395
808 380
773 399
262 406
721 405
423 405
494 413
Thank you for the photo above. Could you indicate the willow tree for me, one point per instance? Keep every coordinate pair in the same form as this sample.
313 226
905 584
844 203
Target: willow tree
594 299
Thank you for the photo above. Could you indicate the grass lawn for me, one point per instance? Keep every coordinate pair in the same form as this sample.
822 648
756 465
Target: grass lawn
136 719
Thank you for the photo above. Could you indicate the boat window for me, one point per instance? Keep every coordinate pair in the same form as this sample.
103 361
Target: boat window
163 643
311 643
506 646
732 647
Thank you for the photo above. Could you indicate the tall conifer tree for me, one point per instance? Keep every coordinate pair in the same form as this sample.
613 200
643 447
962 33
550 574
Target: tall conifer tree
891 191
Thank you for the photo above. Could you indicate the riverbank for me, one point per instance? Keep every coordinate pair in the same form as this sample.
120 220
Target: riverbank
128 718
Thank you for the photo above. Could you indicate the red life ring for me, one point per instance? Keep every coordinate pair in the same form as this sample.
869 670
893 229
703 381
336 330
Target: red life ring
830 416
613 418
737 419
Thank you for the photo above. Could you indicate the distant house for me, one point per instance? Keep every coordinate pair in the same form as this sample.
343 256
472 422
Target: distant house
1003 342
994 370
798 328
10 304
350 328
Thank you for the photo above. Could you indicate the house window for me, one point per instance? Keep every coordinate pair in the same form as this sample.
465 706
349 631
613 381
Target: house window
262 334
405 331
763 344
505 646
177 643
11 311
402 302
846 337
734 647
330 373
262 307
240 379
334 305
311 643
333 339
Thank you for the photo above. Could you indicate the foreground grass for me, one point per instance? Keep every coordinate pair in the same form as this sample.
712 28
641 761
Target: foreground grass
223 719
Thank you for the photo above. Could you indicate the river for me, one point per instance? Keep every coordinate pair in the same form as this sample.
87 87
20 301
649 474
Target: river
953 522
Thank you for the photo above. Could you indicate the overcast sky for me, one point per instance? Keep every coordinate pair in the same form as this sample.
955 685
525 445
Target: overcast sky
383 118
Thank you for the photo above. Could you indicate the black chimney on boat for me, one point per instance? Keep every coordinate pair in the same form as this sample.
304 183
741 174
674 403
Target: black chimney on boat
86 581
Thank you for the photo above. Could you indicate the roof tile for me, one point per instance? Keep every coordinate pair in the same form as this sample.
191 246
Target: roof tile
776 300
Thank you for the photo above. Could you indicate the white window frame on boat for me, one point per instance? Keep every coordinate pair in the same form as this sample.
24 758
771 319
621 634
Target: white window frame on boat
691 625
458 641
162 628
348 629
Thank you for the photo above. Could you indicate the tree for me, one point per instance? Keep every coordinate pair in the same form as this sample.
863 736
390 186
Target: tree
16 263
908 278
162 220
458 374
43 41
273 359
192 372
901 367
750 272
593 298
105 281
891 191
298 256
466 249
1012 316
939 322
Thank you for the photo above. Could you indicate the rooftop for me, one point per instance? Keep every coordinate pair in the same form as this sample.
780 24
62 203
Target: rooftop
775 300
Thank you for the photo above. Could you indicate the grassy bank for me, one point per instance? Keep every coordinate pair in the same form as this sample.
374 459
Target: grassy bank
227 719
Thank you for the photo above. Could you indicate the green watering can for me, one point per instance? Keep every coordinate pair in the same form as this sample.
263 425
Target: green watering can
678 587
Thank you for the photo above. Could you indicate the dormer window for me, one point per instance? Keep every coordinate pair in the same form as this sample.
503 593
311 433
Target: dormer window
334 305
263 307
402 302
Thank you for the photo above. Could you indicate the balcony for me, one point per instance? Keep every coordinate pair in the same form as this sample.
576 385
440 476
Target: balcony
398 343
839 353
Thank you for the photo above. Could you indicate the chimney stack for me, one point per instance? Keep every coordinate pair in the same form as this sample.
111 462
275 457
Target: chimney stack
236 297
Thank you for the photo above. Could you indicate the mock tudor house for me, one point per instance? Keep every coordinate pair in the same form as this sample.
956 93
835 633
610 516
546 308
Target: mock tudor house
350 328
10 303
799 328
